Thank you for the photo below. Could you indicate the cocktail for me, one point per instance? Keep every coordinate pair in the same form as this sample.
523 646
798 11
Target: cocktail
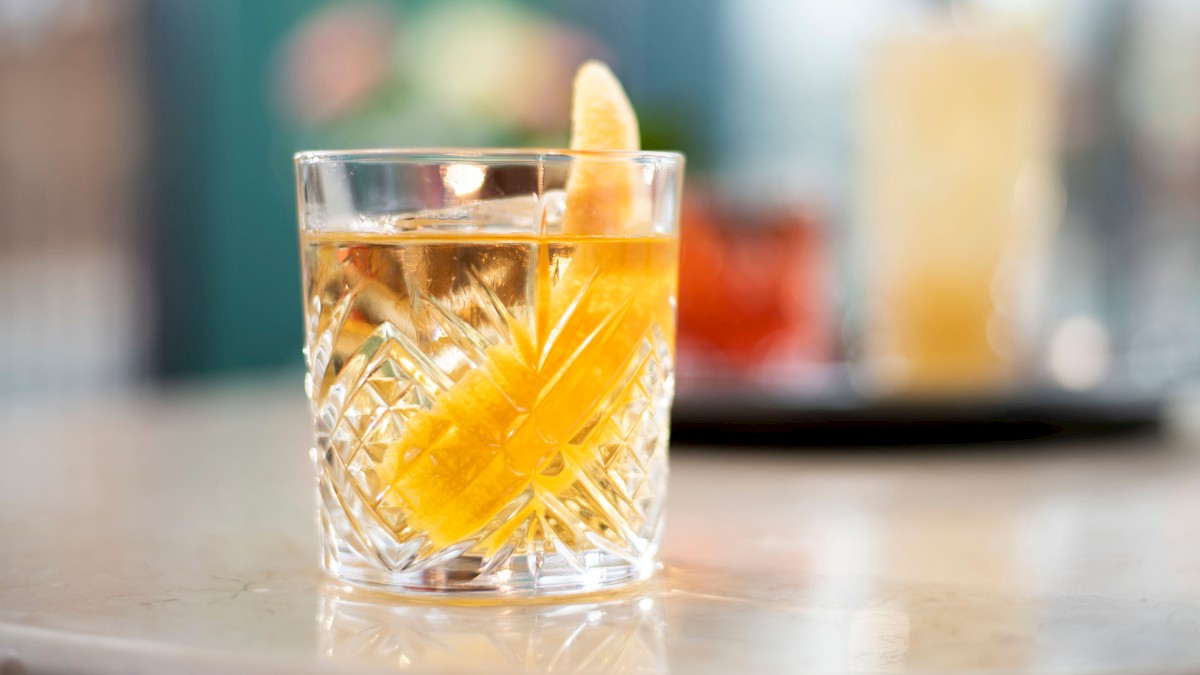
490 339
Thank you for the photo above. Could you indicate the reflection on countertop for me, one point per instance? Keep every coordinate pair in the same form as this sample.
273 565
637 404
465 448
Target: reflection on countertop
618 632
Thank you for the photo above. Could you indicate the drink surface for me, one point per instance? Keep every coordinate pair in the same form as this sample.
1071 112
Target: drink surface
492 395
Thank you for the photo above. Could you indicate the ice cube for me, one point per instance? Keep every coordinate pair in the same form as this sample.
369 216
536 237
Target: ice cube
527 213
523 213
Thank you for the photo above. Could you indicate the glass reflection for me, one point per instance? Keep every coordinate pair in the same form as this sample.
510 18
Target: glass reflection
610 634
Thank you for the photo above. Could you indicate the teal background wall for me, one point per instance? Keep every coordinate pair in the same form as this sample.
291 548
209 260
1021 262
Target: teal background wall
223 197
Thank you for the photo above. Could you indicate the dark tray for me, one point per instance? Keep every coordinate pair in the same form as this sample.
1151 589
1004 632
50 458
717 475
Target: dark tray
729 412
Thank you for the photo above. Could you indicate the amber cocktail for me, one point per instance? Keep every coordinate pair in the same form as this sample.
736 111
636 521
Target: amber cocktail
490 370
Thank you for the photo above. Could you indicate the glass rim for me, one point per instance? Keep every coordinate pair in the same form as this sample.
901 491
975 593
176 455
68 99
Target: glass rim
448 155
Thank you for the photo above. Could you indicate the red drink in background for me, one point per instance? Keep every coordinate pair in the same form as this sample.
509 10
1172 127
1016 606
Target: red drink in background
752 289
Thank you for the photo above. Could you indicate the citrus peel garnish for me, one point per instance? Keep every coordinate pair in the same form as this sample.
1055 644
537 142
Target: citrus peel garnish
601 193
512 423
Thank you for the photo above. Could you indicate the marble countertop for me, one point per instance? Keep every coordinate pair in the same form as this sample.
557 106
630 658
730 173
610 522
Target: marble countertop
174 532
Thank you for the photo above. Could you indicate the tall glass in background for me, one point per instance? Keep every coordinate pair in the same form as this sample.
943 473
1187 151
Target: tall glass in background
957 177
490 364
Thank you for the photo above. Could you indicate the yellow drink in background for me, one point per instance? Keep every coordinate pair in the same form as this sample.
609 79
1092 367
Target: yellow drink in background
957 144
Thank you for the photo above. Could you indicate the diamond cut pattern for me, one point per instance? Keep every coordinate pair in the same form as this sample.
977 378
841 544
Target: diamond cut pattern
612 502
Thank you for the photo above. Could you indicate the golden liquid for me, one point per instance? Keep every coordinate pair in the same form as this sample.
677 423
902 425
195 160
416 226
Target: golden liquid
498 392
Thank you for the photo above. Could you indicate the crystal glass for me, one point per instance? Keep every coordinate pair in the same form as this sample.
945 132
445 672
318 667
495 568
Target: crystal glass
490 346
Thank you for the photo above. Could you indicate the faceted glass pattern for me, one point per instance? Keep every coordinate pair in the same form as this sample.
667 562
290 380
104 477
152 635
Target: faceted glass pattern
491 410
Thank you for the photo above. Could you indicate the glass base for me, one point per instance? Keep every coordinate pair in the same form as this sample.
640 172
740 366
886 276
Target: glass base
360 550
521 576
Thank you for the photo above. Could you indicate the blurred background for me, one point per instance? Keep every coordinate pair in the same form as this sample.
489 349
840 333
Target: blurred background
914 212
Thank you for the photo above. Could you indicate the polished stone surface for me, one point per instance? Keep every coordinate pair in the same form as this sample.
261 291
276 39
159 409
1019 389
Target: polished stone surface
173 531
